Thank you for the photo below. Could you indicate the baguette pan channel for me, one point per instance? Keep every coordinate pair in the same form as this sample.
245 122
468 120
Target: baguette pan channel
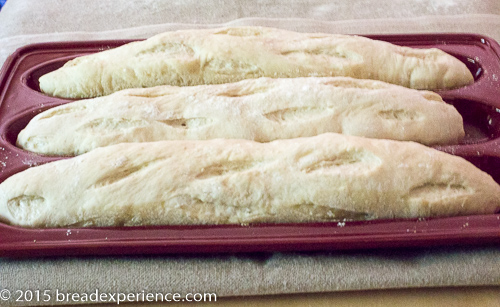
261 109
321 178
215 56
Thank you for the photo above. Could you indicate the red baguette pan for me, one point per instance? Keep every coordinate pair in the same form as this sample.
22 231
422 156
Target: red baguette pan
479 104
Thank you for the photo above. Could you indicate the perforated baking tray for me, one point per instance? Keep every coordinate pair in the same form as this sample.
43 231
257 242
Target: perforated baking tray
479 104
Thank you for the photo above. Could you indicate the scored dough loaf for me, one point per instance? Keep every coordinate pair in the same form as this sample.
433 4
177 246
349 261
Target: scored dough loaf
261 109
321 178
214 56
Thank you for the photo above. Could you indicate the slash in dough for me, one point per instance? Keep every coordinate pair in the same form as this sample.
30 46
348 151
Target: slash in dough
214 56
261 109
321 178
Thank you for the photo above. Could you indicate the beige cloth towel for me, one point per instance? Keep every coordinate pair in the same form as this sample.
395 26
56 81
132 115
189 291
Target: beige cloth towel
29 21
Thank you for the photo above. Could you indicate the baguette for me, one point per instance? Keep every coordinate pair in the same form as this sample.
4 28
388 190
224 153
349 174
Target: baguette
224 55
323 178
261 109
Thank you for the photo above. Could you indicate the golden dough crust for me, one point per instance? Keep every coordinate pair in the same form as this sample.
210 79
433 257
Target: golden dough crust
321 178
214 56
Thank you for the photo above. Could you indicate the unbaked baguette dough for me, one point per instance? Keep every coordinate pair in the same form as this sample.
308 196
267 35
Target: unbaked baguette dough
326 177
214 56
261 109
